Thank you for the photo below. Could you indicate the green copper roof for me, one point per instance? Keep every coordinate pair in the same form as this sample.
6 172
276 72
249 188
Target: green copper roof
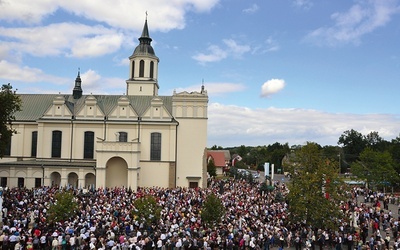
34 106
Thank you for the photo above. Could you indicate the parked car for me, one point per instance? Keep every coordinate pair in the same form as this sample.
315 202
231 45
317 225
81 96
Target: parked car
243 172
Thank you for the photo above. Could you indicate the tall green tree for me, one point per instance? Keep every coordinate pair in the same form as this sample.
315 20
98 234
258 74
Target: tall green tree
64 208
394 150
211 168
212 210
276 152
334 153
256 155
10 103
376 167
353 143
146 210
242 151
376 142
315 188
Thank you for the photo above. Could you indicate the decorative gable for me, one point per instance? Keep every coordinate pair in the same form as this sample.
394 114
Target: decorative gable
58 109
90 109
123 110
157 110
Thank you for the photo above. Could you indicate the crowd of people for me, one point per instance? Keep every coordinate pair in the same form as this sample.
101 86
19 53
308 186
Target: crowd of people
253 220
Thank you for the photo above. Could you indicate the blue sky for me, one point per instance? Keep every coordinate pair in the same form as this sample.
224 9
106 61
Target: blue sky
275 70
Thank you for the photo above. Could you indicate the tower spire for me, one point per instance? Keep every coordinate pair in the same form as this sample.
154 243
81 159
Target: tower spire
145 33
143 71
77 92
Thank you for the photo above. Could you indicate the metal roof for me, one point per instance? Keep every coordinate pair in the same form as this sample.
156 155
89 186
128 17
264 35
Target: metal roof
34 106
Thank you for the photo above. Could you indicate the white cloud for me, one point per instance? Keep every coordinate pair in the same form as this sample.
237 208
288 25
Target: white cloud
270 45
25 11
121 61
304 4
94 83
272 86
234 125
216 53
164 15
14 72
252 9
235 49
117 18
361 19
95 46
62 38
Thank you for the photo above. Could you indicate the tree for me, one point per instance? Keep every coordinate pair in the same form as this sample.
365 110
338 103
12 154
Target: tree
394 150
212 210
255 156
211 169
64 208
147 210
334 153
377 168
266 186
240 164
242 151
277 151
10 103
353 144
375 141
315 190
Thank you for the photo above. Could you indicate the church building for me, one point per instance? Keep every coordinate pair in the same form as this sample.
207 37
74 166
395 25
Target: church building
138 139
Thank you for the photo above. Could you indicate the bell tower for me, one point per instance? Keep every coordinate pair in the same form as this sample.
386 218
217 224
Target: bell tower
143 71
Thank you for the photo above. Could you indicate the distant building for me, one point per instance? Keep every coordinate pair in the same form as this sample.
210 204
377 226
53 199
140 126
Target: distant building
131 140
221 159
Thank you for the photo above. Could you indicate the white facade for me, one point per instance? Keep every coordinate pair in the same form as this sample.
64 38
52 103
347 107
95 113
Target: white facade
137 139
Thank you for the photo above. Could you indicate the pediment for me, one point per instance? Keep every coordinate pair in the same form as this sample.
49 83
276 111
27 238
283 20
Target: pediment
157 110
123 110
59 109
90 109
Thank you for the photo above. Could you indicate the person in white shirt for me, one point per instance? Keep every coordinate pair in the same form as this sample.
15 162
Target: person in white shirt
159 243
54 244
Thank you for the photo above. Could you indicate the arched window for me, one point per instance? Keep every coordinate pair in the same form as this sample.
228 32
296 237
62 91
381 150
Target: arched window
151 69
88 145
133 69
155 150
141 69
56 144
34 144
